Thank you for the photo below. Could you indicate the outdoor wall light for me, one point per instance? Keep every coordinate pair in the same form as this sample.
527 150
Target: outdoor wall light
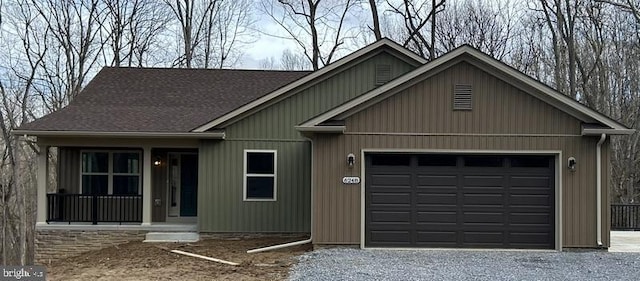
157 162
571 164
351 160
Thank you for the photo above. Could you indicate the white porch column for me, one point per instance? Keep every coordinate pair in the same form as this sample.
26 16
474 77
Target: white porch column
42 181
146 186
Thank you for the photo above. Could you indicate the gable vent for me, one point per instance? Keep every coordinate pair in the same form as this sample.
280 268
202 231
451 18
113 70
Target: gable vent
462 98
383 74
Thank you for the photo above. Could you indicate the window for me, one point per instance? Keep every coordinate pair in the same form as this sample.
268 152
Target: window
110 172
391 160
260 175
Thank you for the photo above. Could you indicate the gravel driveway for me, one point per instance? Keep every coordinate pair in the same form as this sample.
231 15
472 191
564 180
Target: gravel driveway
354 264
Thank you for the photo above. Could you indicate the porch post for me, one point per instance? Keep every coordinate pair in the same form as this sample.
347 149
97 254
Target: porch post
146 186
42 180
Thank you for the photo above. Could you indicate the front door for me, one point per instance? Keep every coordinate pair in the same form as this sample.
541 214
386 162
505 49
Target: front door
183 184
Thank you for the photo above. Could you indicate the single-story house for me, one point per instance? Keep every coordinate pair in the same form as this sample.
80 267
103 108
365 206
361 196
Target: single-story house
378 149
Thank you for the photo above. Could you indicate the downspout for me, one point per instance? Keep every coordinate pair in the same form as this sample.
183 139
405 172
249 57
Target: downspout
599 189
301 242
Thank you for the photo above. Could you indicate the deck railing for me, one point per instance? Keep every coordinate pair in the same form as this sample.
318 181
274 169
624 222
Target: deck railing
63 207
625 216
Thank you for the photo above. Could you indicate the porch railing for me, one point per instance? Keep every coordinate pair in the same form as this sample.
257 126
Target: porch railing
63 207
625 216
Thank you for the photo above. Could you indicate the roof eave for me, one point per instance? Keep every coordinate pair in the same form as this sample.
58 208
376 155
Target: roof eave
598 132
321 129
96 134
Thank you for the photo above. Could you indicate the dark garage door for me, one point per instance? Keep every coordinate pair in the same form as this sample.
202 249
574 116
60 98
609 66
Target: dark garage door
471 201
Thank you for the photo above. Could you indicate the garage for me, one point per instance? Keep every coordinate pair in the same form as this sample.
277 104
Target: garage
466 201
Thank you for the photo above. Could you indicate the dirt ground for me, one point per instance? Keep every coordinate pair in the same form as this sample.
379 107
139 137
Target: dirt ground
153 261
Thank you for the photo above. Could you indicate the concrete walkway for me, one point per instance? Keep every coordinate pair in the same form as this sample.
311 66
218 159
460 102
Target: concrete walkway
625 241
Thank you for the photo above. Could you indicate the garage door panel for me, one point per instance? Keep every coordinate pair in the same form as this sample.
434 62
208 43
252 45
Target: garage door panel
483 199
542 190
483 217
530 218
529 181
529 200
393 198
390 237
483 238
483 180
437 217
461 203
391 216
436 238
436 199
523 238
450 180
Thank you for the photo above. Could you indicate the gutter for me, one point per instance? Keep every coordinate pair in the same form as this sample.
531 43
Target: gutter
203 135
599 189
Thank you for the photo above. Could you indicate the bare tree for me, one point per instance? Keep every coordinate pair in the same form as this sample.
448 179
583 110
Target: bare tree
292 61
74 32
318 27
211 31
133 27
488 27
416 15
375 28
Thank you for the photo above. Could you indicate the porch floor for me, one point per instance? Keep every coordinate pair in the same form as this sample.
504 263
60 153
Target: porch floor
156 227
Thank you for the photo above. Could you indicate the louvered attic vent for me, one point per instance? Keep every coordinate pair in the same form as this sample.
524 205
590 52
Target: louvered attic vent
383 74
462 97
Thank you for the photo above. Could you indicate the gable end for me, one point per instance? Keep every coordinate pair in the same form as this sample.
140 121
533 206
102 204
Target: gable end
462 97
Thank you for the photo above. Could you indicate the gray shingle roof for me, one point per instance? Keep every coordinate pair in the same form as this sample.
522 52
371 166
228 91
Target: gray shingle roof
160 100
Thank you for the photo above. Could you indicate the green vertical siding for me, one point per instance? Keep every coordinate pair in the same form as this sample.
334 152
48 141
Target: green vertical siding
277 120
220 197
221 207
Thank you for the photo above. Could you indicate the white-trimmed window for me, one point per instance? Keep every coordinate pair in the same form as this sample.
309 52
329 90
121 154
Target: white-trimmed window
260 169
110 172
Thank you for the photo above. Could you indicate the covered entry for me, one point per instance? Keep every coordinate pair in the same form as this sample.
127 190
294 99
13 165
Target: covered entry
470 201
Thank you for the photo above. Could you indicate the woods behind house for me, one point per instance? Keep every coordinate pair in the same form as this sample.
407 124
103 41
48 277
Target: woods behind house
50 49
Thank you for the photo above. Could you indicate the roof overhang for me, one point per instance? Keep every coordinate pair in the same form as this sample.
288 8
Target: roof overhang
591 130
321 129
384 42
544 92
96 134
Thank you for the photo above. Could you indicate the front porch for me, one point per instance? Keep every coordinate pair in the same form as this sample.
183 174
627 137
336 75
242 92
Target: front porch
118 184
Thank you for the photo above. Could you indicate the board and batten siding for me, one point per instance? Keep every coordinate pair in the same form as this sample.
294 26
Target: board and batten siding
220 195
278 120
421 117
221 207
